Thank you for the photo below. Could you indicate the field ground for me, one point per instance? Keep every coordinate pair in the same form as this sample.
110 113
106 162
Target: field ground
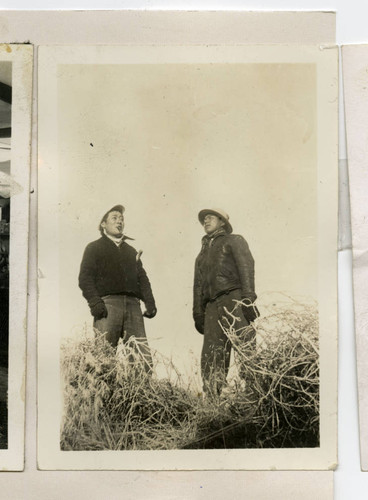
111 403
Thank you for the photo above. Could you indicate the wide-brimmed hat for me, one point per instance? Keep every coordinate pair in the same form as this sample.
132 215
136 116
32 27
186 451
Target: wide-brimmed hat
115 208
220 213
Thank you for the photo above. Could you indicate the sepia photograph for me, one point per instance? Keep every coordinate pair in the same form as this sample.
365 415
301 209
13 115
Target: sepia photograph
5 155
355 59
187 257
15 135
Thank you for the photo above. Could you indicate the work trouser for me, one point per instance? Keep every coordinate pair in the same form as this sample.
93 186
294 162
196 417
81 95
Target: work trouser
125 320
216 349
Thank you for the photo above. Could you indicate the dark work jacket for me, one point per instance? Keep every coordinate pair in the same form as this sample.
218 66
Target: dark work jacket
224 263
108 269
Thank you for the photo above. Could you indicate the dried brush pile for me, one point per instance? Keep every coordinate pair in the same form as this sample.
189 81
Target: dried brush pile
280 375
110 402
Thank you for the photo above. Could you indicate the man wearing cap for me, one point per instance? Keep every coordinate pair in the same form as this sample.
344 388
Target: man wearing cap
224 272
113 281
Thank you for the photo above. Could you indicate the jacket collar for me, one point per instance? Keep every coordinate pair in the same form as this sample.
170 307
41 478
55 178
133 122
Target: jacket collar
117 242
209 238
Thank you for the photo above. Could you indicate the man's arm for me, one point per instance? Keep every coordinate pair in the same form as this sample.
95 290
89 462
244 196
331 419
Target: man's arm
146 291
87 278
198 309
245 265
88 273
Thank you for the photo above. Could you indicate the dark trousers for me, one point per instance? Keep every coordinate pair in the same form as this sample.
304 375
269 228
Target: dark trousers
216 349
125 320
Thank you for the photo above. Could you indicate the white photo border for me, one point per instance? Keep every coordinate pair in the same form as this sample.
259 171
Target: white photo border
49 403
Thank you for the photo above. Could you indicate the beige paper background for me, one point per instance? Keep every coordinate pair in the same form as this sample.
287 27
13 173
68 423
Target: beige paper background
72 174
185 485
21 57
167 27
355 64
81 27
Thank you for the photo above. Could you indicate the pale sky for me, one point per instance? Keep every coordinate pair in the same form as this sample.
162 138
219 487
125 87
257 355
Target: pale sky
168 140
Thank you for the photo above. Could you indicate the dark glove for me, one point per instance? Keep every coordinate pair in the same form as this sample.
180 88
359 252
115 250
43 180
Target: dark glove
98 309
151 313
250 310
199 323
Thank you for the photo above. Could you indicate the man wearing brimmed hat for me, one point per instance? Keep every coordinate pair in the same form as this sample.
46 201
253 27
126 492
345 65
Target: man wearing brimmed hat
224 273
113 282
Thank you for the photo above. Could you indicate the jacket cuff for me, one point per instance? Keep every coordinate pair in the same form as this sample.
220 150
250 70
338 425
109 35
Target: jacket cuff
150 305
250 296
95 300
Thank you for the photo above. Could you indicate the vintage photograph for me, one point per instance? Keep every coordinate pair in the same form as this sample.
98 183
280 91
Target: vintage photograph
5 156
187 257
15 135
355 60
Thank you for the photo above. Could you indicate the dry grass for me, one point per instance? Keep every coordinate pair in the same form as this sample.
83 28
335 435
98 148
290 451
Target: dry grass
110 402
281 374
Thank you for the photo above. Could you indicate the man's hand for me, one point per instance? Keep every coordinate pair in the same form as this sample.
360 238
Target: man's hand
98 309
151 313
250 310
199 323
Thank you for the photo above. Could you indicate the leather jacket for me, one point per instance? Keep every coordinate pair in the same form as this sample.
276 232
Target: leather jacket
224 263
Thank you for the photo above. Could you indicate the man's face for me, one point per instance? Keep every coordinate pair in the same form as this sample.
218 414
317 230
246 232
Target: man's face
212 223
114 224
